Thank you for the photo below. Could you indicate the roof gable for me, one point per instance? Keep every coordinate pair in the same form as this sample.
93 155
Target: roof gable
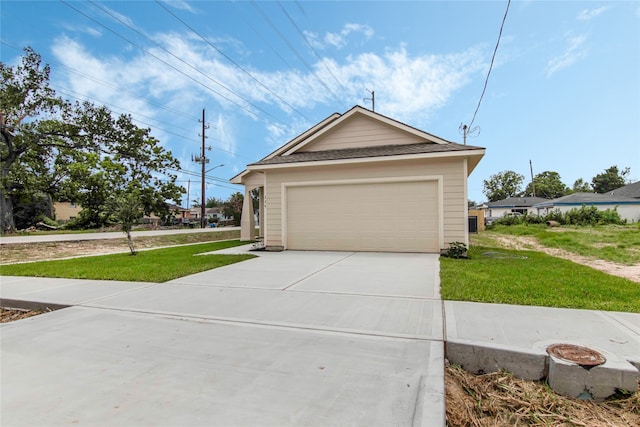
358 128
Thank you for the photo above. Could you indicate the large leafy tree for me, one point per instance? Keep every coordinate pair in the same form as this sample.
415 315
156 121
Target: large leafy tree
502 185
27 104
547 184
610 179
79 152
581 186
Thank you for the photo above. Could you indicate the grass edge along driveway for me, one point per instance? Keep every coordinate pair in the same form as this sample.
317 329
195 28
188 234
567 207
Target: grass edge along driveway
505 276
156 265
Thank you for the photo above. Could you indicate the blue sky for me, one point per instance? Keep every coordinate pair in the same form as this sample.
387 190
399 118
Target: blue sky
564 91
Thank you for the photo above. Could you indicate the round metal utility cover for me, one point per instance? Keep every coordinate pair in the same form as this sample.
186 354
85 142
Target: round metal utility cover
577 354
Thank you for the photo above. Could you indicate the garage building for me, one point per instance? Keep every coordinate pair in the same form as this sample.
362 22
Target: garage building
360 181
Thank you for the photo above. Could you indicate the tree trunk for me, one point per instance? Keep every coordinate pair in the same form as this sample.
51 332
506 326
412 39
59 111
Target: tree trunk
130 243
7 224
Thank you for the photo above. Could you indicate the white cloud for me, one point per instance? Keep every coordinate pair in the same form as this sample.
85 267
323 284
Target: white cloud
339 39
180 5
408 87
572 54
118 17
589 14
92 31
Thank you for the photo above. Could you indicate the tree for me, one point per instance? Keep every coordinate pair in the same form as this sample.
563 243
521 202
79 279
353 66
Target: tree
610 179
581 186
77 152
233 207
25 95
129 162
502 185
127 210
548 185
213 202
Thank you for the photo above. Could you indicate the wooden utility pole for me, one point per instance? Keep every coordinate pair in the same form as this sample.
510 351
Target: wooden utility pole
202 159
202 206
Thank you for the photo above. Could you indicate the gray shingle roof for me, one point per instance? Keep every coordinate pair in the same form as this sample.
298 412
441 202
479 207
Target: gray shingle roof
630 190
511 202
356 153
588 199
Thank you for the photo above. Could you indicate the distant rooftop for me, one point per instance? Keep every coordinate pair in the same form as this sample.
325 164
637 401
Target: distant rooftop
588 199
512 202
630 190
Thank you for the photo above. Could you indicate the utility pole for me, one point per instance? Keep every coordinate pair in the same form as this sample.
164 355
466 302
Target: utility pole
202 159
533 184
188 191
372 99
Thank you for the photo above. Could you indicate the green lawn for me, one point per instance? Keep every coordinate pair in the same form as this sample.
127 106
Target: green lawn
158 265
532 278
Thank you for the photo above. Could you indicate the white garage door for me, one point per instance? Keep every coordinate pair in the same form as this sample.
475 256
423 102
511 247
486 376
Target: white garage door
387 216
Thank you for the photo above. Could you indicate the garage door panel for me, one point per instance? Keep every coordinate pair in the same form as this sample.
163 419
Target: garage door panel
388 216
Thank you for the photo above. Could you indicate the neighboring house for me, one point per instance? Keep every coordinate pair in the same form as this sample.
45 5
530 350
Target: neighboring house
518 205
627 207
216 214
65 211
630 190
360 181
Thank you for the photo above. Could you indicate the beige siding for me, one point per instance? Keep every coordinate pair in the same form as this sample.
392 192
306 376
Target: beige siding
454 202
360 131
65 211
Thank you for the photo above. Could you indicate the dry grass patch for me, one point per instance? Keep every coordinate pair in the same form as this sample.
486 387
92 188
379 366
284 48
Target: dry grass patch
11 314
500 399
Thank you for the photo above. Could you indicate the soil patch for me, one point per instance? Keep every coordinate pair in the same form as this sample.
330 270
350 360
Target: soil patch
44 251
630 272
500 399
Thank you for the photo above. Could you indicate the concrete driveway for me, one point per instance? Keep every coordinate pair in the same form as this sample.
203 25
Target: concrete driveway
290 338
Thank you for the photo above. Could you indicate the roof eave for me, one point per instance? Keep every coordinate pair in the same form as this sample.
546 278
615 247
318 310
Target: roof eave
475 154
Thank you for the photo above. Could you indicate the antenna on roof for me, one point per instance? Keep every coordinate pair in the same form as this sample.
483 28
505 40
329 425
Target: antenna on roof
533 183
465 131
372 99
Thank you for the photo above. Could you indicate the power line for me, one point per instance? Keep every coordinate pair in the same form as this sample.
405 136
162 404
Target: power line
77 95
117 18
102 82
178 70
344 89
491 65
231 60
293 49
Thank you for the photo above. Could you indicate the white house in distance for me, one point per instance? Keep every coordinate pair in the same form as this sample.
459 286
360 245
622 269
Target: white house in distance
522 205
627 207
331 188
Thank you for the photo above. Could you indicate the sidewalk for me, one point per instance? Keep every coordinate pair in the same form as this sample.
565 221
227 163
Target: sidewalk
289 338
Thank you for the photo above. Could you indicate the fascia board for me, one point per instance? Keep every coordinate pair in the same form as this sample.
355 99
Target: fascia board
366 160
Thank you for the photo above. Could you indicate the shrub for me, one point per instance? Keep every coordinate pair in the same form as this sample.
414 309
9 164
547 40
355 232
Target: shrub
456 250
590 215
